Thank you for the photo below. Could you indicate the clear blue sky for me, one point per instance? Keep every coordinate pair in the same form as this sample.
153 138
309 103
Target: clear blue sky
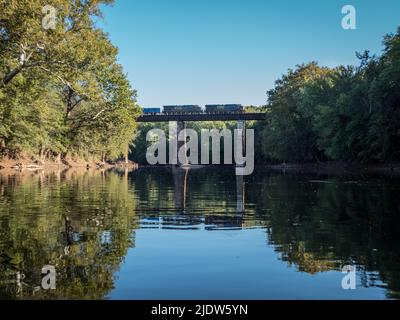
232 51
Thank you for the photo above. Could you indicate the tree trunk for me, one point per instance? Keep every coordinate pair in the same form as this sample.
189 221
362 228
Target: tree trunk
11 75
70 95
127 154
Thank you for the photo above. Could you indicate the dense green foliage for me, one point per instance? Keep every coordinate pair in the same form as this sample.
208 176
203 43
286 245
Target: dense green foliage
62 93
346 113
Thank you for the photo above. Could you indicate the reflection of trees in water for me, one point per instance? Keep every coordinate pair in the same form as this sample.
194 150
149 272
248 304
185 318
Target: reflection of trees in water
79 222
82 223
323 225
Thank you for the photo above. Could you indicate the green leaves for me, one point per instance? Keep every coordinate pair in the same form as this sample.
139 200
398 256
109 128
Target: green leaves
345 113
289 134
62 90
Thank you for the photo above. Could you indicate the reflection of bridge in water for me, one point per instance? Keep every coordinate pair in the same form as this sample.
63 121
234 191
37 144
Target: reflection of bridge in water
187 210
180 175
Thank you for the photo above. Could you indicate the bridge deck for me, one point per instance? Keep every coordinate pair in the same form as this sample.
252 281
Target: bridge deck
201 117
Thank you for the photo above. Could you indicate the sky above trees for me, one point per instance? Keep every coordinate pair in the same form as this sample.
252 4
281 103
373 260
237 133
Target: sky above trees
232 51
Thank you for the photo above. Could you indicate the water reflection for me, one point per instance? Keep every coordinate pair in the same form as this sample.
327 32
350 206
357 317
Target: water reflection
81 223
86 224
320 225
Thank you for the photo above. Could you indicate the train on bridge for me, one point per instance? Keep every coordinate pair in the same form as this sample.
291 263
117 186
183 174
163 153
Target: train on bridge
195 109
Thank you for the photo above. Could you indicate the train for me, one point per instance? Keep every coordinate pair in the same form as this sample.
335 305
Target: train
182 109
195 109
151 111
224 108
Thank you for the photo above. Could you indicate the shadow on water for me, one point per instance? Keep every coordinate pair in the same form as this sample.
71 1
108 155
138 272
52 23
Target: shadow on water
84 223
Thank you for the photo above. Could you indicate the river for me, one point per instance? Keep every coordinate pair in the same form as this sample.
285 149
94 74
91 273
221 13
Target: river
163 233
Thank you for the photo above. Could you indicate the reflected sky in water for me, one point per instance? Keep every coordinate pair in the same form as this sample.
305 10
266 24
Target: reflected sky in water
163 233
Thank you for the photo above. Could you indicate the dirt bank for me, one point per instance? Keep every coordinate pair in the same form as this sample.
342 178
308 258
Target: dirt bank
29 164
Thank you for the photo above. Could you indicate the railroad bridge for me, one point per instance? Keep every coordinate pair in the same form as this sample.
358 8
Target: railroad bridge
181 118
180 174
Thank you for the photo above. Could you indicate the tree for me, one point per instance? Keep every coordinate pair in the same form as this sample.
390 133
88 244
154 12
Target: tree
62 93
347 113
288 133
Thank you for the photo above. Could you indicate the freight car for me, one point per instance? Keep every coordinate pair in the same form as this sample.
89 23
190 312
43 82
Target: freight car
151 110
224 108
182 109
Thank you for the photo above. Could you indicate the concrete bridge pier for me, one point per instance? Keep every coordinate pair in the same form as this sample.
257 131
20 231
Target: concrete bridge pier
241 125
175 128
181 127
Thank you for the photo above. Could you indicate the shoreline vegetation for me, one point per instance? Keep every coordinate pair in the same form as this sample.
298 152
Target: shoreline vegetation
345 114
65 100
318 114
26 163
323 168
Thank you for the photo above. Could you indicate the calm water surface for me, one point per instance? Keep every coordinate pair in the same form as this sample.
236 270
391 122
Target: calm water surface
162 233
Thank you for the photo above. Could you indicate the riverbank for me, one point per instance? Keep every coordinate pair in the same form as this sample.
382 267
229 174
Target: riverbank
328 168
336 168
29 164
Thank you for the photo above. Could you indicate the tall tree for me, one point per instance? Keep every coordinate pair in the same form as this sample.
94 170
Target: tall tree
61 90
